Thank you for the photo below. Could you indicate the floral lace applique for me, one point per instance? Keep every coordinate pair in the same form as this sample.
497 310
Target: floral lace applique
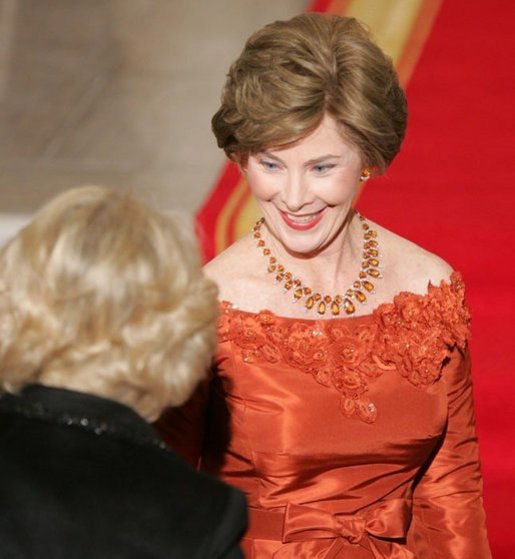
413 335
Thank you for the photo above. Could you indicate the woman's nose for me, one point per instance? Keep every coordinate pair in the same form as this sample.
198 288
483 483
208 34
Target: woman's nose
295 193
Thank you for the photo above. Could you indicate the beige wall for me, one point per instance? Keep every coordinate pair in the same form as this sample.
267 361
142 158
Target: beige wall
116 92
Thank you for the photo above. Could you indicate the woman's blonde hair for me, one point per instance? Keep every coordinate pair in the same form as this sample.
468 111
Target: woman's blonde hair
291 73
102 294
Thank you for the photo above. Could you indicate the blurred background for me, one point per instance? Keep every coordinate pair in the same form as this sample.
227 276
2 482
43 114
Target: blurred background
118 93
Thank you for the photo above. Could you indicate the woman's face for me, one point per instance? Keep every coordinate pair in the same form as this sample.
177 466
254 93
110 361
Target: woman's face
305 191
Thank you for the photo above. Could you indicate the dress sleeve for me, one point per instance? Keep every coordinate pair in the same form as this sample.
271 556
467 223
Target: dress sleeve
183 428
448 515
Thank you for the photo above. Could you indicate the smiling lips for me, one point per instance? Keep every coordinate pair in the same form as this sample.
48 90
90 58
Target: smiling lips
302 222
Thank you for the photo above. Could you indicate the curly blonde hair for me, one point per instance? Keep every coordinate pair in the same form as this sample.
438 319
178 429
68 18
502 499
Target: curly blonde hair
102 294
291 73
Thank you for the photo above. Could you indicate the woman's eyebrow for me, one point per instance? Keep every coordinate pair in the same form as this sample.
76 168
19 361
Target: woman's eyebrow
322 158
271 156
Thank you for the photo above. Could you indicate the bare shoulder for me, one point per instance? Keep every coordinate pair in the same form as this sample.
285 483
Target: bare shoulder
232 270
409 267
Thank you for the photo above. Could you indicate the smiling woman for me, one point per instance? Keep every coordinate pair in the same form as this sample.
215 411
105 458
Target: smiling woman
371 454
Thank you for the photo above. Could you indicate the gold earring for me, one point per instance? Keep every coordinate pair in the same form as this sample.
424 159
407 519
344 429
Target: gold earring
366 173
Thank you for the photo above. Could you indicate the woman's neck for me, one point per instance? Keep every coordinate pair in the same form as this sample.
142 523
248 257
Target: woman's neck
330 268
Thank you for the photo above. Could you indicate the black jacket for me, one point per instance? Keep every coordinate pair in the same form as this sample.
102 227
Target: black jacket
84 477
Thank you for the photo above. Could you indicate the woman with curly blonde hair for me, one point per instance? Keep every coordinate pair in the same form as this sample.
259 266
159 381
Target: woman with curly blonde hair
105 319
342 399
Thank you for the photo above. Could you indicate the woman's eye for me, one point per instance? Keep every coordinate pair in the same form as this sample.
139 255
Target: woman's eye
321 169
269 165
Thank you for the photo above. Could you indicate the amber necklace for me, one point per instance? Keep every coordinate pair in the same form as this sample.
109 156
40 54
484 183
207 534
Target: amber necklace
315 300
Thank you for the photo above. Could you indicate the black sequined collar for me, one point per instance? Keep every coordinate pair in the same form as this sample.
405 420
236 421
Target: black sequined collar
86 412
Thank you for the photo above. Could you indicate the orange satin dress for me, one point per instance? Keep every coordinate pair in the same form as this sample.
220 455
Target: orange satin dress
352 438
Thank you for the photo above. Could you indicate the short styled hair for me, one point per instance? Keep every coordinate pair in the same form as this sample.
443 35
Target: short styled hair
102 294
291 73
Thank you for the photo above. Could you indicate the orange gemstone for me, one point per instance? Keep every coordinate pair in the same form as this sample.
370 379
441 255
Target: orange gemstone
288 284
266 251
280 268
261 243
287 275
321 308
349 293
362 275
368 286
297 282
370 244
273 259
365 226
298 293
348 306
279 277
370 234
364 264
307 290
373 262
272 268
317 296
335 308
360 296
327 299
373 272
372 252
338 299
356 284
309 303
257 234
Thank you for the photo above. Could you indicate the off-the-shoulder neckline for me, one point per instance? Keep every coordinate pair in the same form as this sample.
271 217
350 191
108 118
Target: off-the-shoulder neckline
454 280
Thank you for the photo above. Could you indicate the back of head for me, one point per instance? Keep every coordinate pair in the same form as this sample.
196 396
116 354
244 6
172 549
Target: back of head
102 294
291 73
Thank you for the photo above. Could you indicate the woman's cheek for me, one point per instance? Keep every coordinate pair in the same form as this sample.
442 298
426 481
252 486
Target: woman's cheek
337 192
263 188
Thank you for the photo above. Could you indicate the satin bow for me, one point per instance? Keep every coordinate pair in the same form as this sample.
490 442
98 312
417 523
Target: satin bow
390 519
